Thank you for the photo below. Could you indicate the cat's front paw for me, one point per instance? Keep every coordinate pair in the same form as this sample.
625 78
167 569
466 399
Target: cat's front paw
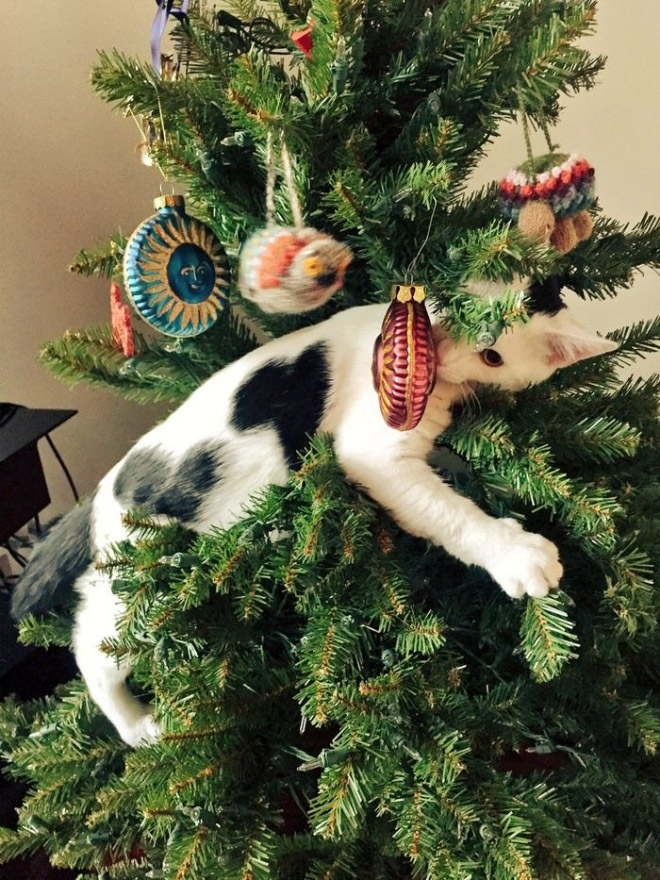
143 731
523 562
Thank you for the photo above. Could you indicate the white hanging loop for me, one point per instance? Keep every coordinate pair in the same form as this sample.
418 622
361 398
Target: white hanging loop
294 201
166 188
270 181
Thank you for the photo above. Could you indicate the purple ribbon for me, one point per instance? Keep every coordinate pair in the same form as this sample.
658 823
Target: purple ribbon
165 9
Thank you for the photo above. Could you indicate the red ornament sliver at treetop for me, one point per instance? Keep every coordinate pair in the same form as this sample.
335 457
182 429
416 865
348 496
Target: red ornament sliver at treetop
405 361
304 39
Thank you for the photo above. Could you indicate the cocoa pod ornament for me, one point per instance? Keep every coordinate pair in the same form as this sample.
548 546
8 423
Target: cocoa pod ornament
404 361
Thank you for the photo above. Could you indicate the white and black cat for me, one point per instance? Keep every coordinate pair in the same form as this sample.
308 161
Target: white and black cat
243 430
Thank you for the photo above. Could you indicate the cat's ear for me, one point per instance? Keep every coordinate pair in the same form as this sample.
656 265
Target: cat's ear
573 343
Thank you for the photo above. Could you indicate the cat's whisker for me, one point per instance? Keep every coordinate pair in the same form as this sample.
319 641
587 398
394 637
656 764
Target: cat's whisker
470 396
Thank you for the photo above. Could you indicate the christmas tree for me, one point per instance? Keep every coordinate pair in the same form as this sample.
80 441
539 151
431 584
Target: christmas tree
344 700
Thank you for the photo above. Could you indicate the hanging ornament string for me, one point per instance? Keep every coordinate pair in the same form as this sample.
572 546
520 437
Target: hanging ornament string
526 134
166 189
543 125
271 176
546 134
292 192
408 275
165 9
144 147
270 181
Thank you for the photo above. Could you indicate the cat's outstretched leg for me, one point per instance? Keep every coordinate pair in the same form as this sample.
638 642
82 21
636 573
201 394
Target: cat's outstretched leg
423 504
104 677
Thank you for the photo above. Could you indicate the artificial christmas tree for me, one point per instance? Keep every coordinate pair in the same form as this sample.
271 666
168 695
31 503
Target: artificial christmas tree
340 699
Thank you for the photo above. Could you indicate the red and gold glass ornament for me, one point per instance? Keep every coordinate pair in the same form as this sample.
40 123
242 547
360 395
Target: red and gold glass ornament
405 361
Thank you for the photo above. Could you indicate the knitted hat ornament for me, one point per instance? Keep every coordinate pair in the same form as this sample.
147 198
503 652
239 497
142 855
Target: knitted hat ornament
550 200
549 196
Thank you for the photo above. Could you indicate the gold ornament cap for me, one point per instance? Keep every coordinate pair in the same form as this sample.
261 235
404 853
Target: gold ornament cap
406 292
169 201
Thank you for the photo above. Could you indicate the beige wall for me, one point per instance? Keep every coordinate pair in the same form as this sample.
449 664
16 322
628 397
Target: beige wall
69 175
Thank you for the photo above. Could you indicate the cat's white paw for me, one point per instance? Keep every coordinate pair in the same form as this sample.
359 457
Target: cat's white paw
523 562
143 731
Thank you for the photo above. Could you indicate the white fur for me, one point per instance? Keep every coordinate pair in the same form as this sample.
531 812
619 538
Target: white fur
390 465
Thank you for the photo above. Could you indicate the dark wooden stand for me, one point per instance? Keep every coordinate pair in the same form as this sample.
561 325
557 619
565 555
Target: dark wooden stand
23 495
23 489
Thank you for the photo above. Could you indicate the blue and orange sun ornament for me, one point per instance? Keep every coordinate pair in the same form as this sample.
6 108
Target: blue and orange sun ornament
176 271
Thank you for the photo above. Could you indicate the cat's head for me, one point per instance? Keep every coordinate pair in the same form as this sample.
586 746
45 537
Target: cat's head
525 354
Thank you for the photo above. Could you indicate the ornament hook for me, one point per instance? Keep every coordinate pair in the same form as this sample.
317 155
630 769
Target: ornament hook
166 185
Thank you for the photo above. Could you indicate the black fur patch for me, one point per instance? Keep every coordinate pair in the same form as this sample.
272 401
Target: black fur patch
56 563
288 397
150 481
545 296
196 475
141 476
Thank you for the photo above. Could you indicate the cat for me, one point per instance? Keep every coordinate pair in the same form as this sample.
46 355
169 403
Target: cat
244 428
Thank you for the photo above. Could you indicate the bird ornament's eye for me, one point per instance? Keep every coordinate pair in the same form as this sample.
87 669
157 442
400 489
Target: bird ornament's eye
312 266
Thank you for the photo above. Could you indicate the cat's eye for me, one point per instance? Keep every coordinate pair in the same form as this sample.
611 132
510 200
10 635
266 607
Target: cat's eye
312 266
491 358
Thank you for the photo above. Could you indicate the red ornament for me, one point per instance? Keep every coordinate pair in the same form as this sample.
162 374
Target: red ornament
135 854
405 361
304 40
122 330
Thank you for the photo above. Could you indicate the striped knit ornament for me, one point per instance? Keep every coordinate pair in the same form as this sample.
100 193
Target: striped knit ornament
404 361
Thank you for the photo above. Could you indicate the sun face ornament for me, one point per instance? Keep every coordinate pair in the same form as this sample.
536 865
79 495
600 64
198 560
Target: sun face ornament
176 271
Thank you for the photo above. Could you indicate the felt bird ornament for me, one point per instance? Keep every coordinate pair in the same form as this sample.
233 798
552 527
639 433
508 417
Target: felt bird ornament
292 270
